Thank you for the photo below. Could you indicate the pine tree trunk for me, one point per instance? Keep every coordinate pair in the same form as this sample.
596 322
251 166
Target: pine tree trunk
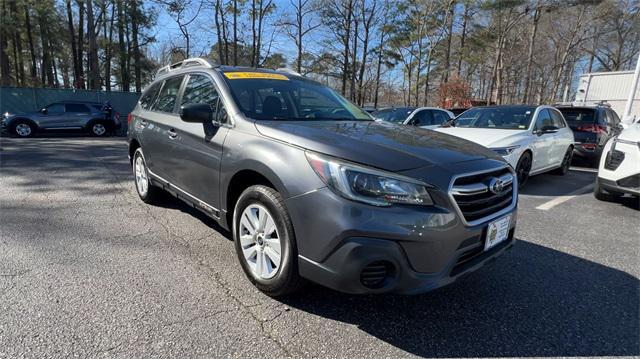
94 66
72 42
122 54
136 47
34 71
81 80
17 40
5 68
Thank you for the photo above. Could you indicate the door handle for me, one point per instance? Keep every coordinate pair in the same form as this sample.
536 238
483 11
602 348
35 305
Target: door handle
172 133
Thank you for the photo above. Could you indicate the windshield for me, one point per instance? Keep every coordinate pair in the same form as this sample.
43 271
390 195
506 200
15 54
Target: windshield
271 96
578 116
507 118
395 115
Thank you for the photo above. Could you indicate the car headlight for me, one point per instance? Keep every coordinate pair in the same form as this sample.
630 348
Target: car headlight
368 185
505 151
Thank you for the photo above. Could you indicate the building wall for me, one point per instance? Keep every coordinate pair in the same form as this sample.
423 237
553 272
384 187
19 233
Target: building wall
612 87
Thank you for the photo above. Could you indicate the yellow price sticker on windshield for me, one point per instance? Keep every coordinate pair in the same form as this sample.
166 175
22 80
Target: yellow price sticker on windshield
254 75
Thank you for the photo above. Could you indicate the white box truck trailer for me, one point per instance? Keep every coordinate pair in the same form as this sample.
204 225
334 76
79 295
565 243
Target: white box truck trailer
611 87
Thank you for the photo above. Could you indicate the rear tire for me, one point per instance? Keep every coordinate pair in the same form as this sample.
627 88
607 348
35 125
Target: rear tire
265 242
566 163
98 129
147 191
523 167
23 128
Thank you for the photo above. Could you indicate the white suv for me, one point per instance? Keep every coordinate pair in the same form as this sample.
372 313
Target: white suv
619 170
533 139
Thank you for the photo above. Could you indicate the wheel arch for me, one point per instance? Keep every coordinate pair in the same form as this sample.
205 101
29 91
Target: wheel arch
240 181
133 146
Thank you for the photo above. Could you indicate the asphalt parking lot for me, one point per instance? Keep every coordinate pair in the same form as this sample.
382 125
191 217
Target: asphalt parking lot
87 269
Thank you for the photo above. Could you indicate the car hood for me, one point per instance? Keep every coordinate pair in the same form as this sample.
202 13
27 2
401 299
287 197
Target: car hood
488 137
631 133
379 144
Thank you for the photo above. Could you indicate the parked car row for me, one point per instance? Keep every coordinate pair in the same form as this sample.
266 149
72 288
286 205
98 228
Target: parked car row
97 119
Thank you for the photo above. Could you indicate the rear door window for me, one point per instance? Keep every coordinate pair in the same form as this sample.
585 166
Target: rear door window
440 117
168 95
76 108
422 118
149 96
55 109
612 118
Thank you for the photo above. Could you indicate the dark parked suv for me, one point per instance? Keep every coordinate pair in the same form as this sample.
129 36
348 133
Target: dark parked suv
312 187
94 117
592 126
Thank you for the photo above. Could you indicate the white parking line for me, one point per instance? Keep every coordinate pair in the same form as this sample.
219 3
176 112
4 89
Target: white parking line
561 199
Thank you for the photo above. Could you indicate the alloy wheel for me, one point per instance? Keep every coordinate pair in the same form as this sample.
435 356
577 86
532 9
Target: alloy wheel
98 129
23 130
260 241
142 181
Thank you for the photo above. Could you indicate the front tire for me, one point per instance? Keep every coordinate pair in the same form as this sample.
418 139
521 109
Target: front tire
23 128
147 192
523 167
265 242
603 195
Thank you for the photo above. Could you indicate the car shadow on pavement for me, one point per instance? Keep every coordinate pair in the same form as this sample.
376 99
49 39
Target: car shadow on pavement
534 301
168 201
552 185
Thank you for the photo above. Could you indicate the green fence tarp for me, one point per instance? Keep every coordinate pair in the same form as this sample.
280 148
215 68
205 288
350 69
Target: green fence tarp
22 99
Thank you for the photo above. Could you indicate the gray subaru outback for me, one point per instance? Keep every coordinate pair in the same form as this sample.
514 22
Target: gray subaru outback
313 188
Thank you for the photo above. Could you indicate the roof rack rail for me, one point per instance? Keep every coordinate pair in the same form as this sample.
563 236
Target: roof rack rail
602 103
190 62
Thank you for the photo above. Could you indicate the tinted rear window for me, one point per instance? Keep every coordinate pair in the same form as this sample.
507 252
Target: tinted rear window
74 107
578 116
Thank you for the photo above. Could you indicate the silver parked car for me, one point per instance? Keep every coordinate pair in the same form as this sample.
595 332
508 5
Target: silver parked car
96 118
312 187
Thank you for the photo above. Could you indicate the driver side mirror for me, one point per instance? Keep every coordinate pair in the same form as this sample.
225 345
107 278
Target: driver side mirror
44 111
196 113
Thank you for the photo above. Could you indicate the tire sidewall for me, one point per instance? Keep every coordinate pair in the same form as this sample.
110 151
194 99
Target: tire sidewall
526 154
138 154
267 197
95 122
25 122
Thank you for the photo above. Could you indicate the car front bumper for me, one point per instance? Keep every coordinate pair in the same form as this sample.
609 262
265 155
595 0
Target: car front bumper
623 173
410 249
